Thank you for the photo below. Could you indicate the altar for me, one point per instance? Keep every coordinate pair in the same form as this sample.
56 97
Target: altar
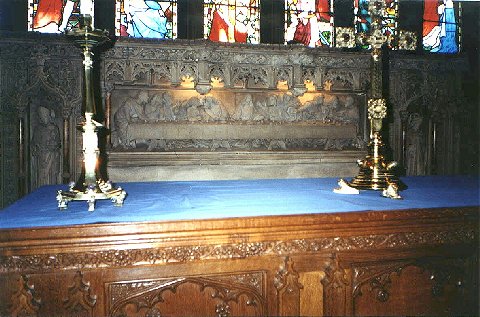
264 247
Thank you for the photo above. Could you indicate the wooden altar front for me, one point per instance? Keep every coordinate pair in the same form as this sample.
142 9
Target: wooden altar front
282 262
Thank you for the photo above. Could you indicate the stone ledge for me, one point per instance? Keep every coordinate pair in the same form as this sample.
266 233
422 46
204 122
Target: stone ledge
158 166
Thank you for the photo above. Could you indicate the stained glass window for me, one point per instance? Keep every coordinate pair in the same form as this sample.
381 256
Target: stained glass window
309 22
146 18
363 18
53 16
441 26
232 21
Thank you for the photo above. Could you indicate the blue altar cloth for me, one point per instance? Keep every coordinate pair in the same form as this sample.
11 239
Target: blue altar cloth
188 200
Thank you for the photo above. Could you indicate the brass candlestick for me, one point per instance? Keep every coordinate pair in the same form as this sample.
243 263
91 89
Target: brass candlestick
89 187
375 172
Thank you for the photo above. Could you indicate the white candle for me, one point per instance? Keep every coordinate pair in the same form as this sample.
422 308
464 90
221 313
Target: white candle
86 7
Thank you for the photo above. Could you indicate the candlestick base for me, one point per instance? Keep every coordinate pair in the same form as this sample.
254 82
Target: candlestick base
90 194
376 173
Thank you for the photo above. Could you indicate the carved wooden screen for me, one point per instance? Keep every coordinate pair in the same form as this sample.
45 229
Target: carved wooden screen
362 17
232 21
52 16
441 26
146 18
309 22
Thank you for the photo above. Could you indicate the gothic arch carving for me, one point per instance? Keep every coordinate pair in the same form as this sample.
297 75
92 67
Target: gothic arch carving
377 278
24 300
288 289
80 301
336 283
223 290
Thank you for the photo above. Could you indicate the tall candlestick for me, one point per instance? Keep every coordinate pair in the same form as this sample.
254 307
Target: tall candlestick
90 186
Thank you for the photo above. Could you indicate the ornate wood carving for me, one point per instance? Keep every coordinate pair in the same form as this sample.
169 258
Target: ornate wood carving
442 272
335 283
122 258
145 296
80 302
447 272
288 289
377 277
454 273
23 301
380 284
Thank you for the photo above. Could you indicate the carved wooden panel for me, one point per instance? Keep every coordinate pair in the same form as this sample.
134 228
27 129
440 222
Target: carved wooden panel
237 294
406 262
80 301
311 295
288 289
23 301
434 288
335 285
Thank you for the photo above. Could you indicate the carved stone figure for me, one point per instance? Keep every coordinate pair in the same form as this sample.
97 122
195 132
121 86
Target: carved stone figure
46 146
154 111
284 109
132 110
330 104
213 109
201 109
194 109
313 110
346 111
415 145
159 108
245 109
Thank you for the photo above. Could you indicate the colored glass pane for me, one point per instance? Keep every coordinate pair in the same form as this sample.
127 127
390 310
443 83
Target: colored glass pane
363 17
146 18
52 16
309 22
232 21
440 26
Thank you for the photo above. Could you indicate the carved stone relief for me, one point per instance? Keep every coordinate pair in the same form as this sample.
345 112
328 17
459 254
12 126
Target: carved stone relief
340 79
205 97
154 108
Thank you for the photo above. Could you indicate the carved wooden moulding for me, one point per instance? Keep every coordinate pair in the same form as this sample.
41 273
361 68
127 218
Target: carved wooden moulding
240 250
